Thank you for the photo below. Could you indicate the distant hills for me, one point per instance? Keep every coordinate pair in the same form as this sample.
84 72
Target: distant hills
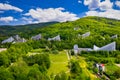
7 30
10 30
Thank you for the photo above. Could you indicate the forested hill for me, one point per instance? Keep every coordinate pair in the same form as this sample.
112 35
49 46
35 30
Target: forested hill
84 24
96 25
101 29
6 30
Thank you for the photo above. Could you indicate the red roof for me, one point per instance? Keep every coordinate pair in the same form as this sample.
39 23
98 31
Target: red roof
102 65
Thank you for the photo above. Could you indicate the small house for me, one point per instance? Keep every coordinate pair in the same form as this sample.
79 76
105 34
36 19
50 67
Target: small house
100 67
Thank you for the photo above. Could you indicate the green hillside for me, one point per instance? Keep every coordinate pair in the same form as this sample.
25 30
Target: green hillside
55 60
101 30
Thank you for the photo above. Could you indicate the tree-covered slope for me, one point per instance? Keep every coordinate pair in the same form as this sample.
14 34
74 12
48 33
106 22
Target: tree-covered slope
36 59
101 30
96 25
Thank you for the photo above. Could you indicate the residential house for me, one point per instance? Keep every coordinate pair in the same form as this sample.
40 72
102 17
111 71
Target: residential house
100 67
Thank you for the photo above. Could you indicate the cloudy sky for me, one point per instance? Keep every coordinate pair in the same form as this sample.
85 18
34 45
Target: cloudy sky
15 12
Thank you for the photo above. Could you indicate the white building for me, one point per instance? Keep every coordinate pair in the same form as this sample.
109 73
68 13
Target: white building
14 39
36 37
76 49
86 35
56 38
108 47
114 36
9 40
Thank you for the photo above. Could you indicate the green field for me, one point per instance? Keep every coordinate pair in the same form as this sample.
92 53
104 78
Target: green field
59 62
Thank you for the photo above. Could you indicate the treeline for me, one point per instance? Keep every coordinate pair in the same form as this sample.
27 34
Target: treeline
16 65
104 56
21 71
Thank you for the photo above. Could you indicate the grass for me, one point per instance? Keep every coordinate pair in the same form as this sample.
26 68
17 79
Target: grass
110 69
59 62
83 65
36 51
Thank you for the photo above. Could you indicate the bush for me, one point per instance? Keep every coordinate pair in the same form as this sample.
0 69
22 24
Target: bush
117 73
55 51
95 70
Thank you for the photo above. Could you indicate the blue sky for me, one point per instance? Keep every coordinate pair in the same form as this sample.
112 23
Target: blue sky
18 12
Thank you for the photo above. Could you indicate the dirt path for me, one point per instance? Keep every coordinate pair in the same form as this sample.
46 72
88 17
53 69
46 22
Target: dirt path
117 65
2 49
68 55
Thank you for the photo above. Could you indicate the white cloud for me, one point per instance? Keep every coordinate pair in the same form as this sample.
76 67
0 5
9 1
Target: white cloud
9 7
106 5
79 1
87 2
28 20
117 3
110 13
92 4
51 14
105 9
7 19
95 4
